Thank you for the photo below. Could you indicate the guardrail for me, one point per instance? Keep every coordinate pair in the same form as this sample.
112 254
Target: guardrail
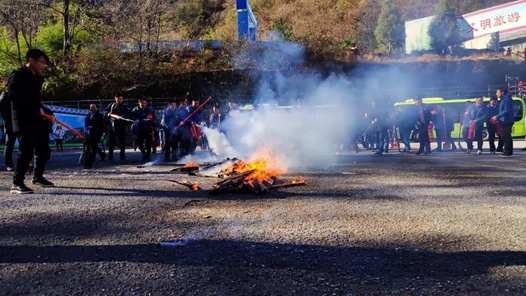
450 92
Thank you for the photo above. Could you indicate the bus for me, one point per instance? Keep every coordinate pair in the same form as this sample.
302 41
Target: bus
455 109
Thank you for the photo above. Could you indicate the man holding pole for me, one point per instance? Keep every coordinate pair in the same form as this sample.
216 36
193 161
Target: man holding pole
195 120
117 128
24 94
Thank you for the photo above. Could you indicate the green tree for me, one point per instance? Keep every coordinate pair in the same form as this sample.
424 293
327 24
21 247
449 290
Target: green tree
390 30
282 27
444 31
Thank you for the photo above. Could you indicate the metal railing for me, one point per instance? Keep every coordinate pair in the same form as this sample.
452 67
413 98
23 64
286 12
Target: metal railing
450 92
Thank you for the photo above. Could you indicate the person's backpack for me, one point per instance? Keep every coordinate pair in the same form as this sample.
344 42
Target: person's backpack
5 103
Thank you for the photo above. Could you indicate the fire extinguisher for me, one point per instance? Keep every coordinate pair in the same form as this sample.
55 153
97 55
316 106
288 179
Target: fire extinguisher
430 132
497 126
395 144
471 131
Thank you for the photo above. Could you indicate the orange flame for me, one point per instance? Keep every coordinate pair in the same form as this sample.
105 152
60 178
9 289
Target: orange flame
195 187
190 164
298 181
264 163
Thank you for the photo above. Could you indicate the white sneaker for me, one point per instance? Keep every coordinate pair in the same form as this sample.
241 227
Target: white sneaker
479 152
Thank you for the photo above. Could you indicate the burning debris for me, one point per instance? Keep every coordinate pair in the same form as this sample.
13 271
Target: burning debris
257 174
191 186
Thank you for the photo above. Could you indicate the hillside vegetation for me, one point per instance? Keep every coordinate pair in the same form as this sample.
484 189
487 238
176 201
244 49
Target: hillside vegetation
82 37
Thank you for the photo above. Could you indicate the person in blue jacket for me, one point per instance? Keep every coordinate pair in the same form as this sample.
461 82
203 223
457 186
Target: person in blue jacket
493 110
169 122
475 114
406 124
506 118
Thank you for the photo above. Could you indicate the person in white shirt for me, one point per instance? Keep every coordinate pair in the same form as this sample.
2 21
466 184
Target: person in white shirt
58 133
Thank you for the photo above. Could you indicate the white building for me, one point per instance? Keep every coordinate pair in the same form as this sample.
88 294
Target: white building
491 28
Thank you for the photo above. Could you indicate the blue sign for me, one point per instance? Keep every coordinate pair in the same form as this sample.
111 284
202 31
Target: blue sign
246 21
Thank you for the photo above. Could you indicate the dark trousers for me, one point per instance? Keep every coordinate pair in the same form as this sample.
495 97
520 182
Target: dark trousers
477 136
505 132
171 143
31 143
10 139
94 140
144 142
404 136
492 134
382 144
112 139
58 144
441 136
185 140
449 139
423 138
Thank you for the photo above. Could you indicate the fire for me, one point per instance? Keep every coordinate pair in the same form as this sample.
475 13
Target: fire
190 164
298 181
264 163
195 187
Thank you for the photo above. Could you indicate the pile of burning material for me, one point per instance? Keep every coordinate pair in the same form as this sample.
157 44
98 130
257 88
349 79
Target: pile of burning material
243 183
206 169
257 174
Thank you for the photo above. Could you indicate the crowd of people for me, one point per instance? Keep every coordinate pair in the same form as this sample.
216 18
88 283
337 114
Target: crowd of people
22 110
385 128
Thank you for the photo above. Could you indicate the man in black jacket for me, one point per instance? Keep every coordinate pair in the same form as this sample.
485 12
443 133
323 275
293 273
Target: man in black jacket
117 127
95 126
144 119
24 87
422 123
10 137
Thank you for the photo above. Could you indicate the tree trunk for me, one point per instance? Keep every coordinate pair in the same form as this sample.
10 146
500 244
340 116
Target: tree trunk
18 47
67 36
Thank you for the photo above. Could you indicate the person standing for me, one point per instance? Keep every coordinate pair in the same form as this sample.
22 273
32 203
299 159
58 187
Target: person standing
117 127
493 110
24 87
406 124
58 134
215 118
144 119
169 122
423 120
506 118
10 137
95 126
195 120
475 115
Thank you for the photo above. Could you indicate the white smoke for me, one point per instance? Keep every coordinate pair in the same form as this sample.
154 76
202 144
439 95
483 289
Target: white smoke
308 135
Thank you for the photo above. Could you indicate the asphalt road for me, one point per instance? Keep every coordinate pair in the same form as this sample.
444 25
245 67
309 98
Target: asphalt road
396 224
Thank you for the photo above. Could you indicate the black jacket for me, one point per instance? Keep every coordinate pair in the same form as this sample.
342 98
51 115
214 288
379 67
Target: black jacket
145 118
24 93
96 123
117 109
427 117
